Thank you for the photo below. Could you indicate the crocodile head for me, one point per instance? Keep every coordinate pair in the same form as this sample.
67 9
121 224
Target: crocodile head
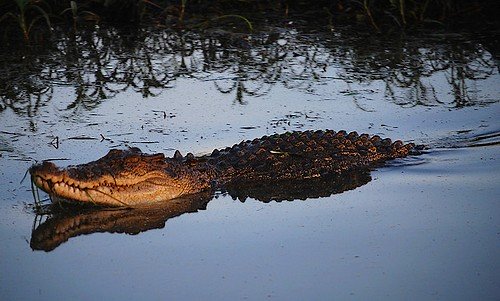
121 178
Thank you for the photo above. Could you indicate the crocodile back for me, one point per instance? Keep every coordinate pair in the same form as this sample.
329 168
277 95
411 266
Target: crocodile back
303 155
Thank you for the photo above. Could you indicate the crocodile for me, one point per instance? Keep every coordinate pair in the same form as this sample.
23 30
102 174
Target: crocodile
131 178
55 225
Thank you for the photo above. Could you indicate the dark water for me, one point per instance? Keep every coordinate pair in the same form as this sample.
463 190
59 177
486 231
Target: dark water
422 228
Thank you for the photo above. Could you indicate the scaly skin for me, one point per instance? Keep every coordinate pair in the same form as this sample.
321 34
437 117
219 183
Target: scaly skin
131 178
65 222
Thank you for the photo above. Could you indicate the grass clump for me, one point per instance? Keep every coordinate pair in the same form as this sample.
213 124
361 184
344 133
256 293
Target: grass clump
26 15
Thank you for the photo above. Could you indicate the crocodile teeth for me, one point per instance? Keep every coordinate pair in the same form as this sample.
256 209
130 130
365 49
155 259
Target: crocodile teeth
69 181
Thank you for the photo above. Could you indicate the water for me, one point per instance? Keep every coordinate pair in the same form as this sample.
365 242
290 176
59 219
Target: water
425 227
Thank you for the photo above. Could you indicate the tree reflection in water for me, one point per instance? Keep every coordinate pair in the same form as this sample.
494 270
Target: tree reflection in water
101 63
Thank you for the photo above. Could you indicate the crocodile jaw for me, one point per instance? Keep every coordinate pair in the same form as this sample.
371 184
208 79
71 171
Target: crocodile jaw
146 191
121 178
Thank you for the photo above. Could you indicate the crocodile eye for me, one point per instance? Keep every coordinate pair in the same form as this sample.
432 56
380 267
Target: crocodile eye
135 150
114 152
157 157
132 159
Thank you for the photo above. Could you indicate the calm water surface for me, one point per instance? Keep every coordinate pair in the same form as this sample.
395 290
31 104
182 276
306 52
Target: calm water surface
422 228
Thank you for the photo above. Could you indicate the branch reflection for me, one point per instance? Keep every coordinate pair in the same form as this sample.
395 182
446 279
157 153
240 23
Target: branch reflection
98 64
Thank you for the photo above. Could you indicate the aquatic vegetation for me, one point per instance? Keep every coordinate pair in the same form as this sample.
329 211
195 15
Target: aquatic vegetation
379 14
78 13
26 14
247 22
405 12
183 10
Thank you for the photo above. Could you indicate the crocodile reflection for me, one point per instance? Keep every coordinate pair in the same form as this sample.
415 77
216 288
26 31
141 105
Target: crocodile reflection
62 224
